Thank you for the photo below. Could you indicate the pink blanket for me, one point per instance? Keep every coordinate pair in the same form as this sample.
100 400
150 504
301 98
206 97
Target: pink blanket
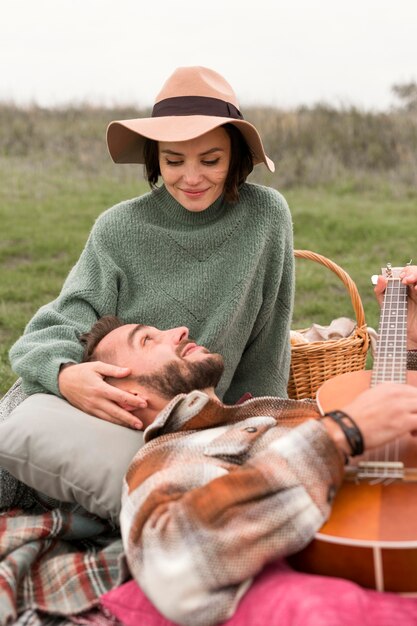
282 597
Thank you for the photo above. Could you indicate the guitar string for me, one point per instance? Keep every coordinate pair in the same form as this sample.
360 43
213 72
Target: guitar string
379 371
390 359
390 329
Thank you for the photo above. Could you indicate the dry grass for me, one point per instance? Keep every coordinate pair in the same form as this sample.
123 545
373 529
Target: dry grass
310 146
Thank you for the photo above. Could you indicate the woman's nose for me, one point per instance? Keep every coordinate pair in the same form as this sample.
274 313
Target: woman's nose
192 174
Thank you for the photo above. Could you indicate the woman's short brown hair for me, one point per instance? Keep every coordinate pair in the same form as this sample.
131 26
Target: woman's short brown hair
241 163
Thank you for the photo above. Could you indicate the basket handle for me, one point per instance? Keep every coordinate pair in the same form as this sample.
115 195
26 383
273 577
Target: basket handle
344 277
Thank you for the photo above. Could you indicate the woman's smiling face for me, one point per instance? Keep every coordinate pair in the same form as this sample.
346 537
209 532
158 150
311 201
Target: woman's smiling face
195 171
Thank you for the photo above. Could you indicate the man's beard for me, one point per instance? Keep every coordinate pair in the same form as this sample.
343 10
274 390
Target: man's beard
185 376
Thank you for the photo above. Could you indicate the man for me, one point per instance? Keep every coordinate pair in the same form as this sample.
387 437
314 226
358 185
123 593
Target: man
219 491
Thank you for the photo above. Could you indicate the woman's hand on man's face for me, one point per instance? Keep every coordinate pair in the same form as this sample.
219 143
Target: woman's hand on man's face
83 385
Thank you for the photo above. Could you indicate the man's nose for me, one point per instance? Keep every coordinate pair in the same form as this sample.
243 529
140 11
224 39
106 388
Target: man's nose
176 335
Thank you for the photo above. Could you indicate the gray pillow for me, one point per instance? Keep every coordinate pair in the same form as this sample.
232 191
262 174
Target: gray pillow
68 455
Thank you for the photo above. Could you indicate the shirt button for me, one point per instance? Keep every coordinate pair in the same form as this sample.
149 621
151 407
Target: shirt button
251 429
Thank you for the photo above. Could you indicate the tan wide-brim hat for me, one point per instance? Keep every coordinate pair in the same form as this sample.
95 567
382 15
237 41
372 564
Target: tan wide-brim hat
193 101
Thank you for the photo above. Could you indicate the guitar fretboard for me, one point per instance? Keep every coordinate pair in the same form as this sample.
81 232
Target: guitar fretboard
390 363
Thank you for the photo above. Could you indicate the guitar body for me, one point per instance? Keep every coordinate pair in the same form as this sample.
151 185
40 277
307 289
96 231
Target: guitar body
371 535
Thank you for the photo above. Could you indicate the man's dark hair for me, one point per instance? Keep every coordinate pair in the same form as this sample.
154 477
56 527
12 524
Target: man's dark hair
241 163
98 331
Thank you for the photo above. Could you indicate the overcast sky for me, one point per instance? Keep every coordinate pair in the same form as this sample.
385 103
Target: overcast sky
284 54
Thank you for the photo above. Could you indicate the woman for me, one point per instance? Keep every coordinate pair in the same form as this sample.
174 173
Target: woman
205 249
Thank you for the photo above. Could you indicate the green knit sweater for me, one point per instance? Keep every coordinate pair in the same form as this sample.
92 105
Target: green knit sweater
226 273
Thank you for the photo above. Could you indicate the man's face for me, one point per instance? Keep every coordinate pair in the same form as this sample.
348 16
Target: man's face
166 360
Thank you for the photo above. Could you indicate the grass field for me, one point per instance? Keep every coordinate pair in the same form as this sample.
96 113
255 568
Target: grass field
46 219
49 201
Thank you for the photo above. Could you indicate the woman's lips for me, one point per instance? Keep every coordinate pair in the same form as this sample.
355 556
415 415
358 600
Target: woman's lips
194 193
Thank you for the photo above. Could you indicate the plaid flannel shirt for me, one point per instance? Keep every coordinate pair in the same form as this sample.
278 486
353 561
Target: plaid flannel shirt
216 493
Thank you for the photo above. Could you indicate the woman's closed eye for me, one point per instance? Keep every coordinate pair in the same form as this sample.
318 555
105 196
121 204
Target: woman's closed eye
208 162
211 161
174 163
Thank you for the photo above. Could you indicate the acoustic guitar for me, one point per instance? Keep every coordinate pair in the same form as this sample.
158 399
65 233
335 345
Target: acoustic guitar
371 535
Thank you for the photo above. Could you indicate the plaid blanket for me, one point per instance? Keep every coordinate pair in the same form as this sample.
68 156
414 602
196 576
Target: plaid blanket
55 564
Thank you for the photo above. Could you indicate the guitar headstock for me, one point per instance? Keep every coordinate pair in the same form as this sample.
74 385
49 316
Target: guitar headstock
391 272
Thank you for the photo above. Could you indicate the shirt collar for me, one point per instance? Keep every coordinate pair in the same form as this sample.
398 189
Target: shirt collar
176 414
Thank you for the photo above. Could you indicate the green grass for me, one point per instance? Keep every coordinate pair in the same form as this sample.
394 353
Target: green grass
361 232
46 217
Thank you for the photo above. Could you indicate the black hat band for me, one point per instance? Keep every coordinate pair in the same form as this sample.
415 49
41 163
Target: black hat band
196 105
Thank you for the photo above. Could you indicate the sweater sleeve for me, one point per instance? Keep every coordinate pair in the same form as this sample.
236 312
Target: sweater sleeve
265 363
195 534
51 337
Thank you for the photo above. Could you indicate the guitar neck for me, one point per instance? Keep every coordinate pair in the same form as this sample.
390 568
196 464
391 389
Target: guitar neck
390 363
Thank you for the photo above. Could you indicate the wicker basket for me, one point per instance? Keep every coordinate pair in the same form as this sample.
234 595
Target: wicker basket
313 363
